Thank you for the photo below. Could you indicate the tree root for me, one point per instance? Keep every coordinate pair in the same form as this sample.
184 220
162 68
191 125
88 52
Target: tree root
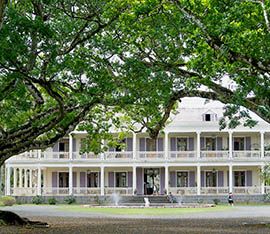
10 218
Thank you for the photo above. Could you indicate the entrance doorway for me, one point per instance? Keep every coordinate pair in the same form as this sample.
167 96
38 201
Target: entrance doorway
92 180
151 181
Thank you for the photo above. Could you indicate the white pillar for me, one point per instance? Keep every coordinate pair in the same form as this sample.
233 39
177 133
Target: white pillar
230 144
70 181
8 181
166 146
262 182
30 178
134 180
102 181
70 146
262 144
230 178
39 154
39 181
134 145
20 178
198 145
167 179
25 178
198 180
15 178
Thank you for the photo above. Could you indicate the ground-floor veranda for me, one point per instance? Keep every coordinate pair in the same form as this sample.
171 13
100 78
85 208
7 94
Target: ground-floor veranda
135 180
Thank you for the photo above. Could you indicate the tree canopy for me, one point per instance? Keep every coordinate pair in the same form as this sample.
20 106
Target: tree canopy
64 62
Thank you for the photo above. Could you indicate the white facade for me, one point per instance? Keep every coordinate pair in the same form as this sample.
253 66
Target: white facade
192 157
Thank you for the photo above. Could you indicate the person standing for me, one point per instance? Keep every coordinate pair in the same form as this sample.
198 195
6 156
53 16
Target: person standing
230 199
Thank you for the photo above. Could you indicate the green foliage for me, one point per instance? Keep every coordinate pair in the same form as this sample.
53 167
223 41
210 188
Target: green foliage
7 201
70 200
38 200
265 174
216 201
266 197
52 201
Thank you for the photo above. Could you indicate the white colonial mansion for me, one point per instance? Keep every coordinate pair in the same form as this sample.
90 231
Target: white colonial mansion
192 157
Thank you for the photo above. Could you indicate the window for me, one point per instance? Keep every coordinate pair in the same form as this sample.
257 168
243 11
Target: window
238 143
207 117
182 179
210 143
182 144
92 179
239 178
63 179
61 146
121 179
211 179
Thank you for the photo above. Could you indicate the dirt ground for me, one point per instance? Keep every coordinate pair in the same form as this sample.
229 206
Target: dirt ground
68 225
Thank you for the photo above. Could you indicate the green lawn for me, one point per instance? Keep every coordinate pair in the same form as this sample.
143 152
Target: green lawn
139 211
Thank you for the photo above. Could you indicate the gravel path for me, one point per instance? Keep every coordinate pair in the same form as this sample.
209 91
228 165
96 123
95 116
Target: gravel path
69 225
237 220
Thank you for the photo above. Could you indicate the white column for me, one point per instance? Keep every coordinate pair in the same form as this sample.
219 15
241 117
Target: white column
30 178
198 144
102 154
25 178
8 181
134 180
70 146
198 180
166 146
230 144
39 181
70 181
20 178
134 145
39 154
102 181
262 182
262 144
230 178
15 178
167 179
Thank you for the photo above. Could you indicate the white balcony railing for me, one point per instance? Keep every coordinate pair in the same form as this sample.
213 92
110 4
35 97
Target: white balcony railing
267 154
247 154
89 156
247 190
183 190
267 189
55 155
118 155
214 154
214 190
86 191
121 191
23 191
151 155
55 191
182 155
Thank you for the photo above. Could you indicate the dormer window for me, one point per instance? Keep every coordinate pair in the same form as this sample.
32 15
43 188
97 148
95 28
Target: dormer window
209 116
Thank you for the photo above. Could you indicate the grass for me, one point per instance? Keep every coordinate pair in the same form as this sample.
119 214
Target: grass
139 211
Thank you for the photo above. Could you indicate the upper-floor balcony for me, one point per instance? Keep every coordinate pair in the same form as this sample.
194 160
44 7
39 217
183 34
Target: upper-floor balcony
171 147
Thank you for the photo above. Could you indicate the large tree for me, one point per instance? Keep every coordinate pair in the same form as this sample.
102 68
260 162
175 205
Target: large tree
51 71
191 46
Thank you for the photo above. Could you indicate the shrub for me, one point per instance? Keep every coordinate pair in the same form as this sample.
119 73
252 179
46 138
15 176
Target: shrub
216 201
52 201
70 200
266 197
38 200
7 201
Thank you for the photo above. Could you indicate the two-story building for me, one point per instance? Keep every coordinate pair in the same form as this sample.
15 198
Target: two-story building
191 158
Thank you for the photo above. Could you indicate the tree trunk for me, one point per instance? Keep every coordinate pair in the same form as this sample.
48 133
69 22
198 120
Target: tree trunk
10 218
